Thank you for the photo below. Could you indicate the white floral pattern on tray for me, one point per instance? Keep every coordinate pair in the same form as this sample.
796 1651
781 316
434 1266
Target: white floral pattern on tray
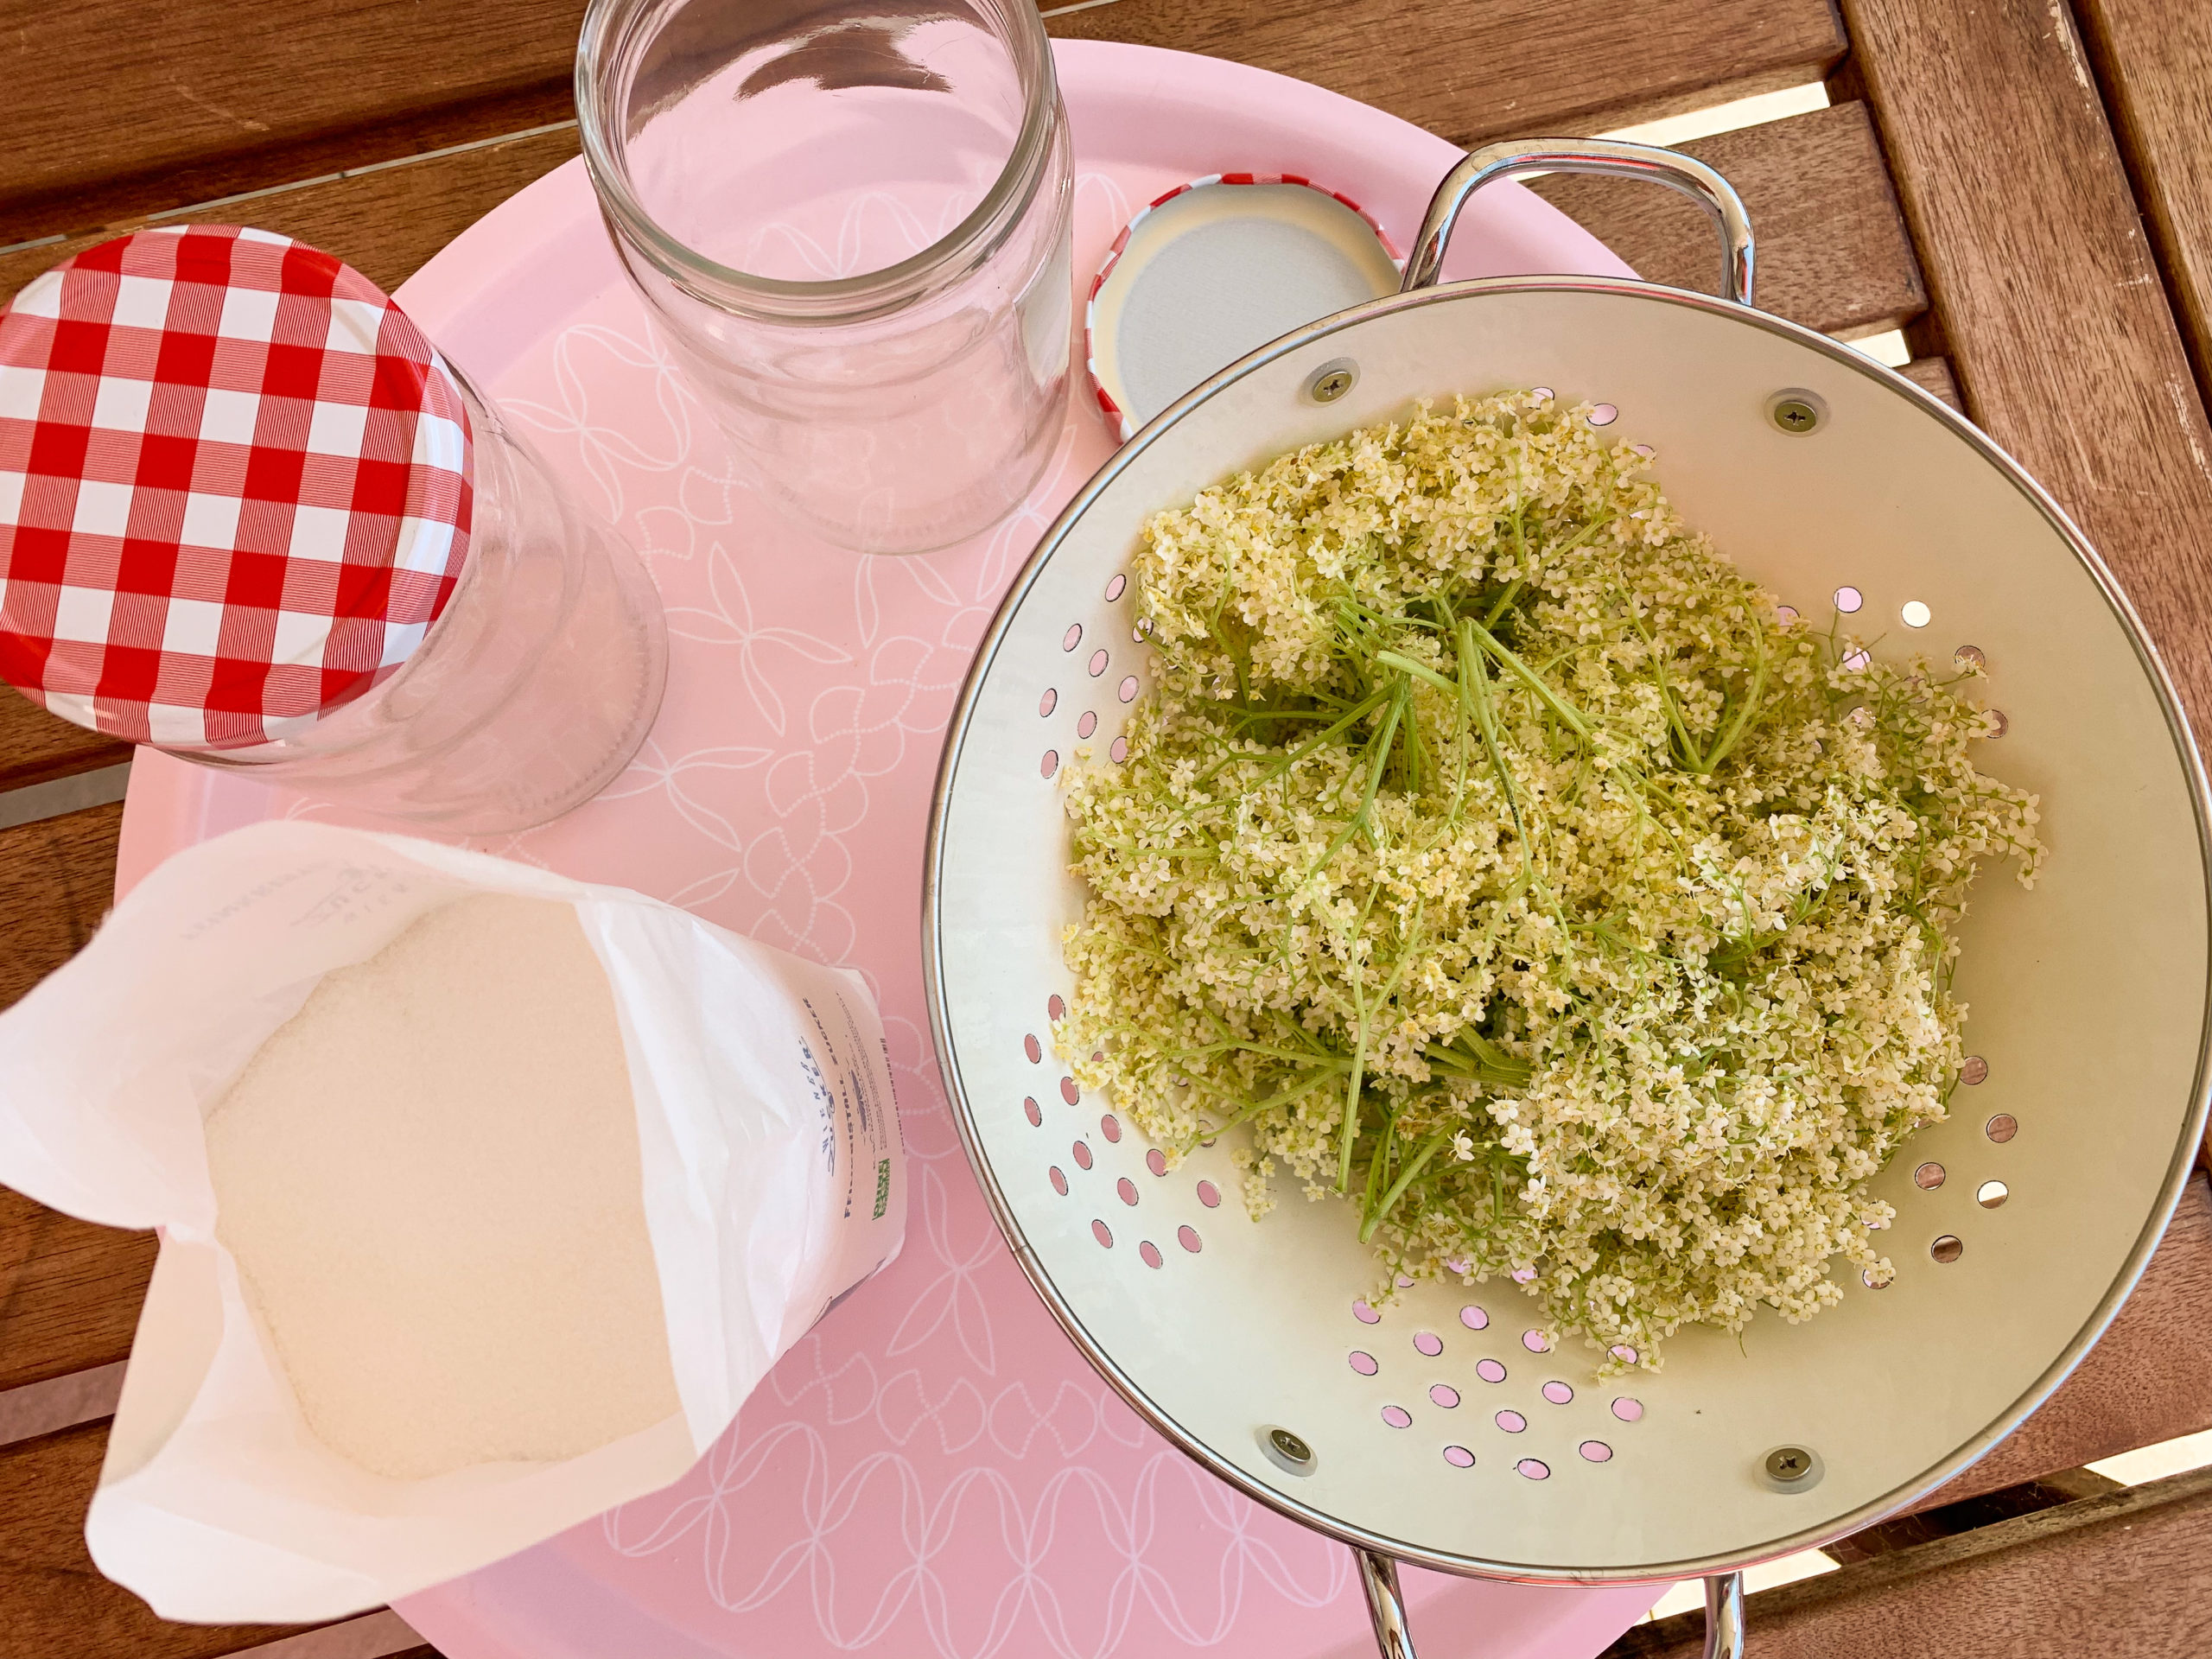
933 1472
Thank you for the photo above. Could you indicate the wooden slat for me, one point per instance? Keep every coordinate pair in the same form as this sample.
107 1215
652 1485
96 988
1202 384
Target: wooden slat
2127 1574
57 880
1475 72
1833 251
54 1603
35 747
384 223
2049 303
117 88
2149 1380
69 1291
1934 374
2154 58
123 202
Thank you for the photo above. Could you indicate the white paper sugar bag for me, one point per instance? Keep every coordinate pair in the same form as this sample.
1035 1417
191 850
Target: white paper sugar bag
768 1147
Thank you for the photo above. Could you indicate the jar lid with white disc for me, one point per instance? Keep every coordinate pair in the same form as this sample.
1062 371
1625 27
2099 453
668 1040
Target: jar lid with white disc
1215 268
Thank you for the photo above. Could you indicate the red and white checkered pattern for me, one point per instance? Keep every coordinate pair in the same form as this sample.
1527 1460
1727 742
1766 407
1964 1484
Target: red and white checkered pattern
235 486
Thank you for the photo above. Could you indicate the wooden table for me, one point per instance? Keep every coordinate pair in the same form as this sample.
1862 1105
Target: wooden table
2019 187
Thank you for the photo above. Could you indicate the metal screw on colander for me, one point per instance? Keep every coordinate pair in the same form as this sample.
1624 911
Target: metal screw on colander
1797 412
1286 1451
1332 380
1789 1463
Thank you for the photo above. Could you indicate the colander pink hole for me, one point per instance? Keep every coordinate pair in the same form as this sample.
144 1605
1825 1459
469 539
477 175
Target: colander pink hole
1785 614
1847 599
1127 692
1189 1239
1643 449
1069 1092
1059 1180
1142 628
1456 1263
1868 1278
1156 1162
1072 637
1543 392
1928 1177
1603 414
1102 1233
1533 1469
1623 1352
1210 1196
1595 1452
1363 1363
1404 1283
1628 1410
1523 1276
1365 1314
1046 703
1110 1126
1428 1343
1397 1417
1443 1395
1081 1154
1097 663
1974 1070
2000 722
1114 588
1856 661
1150 1253
1050 764
1490 1371
1033 1112
1128 1189
1473 1318
2001 1128
1033 1048
1969 656
1459 1457
1535 1342
1511 1421
1087 725
1055 1006
1558 1393
1119 750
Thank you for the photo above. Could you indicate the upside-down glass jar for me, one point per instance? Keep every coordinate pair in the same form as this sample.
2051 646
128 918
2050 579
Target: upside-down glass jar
851 225
250 514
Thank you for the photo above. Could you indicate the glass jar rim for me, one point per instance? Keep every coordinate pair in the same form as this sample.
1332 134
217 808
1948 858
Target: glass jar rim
612 29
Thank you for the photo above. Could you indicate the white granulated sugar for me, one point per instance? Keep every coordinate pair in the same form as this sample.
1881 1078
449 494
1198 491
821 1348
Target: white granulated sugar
429 1177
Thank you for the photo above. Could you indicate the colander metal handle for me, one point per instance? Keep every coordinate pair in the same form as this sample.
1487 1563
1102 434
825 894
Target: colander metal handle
1378 1576
1607 156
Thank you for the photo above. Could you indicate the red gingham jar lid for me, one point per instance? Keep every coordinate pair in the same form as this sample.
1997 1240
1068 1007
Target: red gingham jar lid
235 486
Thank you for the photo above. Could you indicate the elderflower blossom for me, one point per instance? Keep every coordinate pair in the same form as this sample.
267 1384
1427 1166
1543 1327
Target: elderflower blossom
1494 855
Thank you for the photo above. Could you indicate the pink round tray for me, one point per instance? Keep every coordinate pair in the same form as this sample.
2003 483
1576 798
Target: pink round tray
933 1471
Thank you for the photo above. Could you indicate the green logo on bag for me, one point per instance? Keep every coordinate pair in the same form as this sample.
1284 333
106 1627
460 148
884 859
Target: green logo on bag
882 1187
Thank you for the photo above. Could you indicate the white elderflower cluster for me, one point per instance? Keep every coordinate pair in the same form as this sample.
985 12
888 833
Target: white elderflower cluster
1496 854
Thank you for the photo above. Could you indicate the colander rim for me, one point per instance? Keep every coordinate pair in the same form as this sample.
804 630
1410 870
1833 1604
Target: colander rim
1867 1514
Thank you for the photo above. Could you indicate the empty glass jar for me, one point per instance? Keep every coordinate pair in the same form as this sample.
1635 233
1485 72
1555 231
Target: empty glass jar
851 224
528 695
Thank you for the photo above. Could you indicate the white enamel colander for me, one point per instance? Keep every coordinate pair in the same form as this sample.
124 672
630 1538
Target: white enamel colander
1438 1430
